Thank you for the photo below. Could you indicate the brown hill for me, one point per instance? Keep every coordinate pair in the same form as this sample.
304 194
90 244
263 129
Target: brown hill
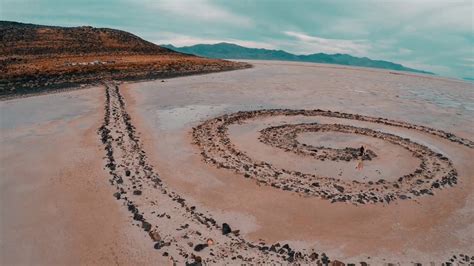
35 58
29 39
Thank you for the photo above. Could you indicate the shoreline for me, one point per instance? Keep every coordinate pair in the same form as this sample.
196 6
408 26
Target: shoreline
250 64
87 85
358 68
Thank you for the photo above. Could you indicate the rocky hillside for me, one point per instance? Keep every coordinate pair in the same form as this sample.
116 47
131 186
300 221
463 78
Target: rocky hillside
29 39
35 58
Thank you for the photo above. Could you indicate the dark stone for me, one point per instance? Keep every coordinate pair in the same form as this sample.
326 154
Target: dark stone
194 263
325 259
200 247
127 173
137 217
226 229
339 188
117 195
132 208
426 191
158 245
137 192
146 226
291 254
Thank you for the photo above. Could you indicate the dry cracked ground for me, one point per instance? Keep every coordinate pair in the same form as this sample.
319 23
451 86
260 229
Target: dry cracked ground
254 166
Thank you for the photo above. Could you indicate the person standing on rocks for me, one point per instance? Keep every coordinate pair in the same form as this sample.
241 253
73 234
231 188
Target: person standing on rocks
360 164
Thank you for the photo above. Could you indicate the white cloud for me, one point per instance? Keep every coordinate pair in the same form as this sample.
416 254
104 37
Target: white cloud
199 10
312 44
347 27
422 15
404 51
186 40
467 62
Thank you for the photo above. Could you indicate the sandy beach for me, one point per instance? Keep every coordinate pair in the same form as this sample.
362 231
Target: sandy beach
144 173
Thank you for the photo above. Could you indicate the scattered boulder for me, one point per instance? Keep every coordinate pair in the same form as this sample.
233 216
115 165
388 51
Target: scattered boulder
154 235
339 188
314 256
226 229
325 259
158 245
200 247
146 226
137 217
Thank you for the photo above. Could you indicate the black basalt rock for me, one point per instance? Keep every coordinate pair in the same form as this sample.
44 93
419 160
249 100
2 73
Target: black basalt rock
200 247
226 229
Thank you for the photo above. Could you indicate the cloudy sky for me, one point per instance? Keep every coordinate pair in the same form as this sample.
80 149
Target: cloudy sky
430 35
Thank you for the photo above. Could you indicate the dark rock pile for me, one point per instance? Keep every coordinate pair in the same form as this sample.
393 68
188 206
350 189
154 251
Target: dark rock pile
284 137
434 172
174 225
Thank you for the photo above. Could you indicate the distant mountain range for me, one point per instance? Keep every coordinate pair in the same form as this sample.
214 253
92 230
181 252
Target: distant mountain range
232 51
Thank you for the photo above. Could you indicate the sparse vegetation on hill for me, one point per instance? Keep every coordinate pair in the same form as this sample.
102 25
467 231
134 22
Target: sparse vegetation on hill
35 58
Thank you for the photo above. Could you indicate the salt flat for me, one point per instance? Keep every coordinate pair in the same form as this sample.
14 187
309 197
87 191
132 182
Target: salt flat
52 169
424 229
56 206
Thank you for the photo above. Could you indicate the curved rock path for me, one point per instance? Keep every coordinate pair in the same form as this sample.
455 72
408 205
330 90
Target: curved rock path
435 171
179 230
